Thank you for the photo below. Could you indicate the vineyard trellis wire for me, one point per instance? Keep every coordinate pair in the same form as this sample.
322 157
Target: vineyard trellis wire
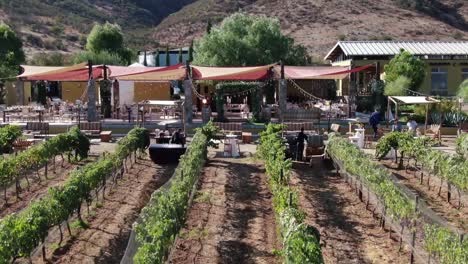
429 236
21 233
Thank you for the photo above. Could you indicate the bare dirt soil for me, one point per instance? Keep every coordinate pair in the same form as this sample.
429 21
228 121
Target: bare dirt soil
349 232
430 195
37 188
110 220
231 219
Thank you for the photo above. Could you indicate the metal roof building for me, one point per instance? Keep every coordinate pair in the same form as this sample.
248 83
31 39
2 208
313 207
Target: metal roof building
392 48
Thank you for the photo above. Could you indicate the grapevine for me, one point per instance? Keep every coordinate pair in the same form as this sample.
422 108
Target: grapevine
21 233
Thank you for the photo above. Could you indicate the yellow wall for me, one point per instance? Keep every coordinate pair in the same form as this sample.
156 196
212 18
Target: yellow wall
152 91
454 67
72 91
11 93
27 92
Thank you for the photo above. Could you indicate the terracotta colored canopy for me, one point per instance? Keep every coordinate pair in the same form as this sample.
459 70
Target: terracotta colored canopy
178 72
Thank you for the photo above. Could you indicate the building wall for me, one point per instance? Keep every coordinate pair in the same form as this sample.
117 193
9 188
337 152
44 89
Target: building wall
454 75
27 92
152 91
126 92
72 91
10 88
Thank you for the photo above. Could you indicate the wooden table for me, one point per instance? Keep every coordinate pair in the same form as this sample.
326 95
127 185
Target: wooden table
105 136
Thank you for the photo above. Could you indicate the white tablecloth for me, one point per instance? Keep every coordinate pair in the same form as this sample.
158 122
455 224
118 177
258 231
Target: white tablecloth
234 147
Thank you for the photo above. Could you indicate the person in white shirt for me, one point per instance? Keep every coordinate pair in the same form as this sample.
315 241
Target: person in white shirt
412 125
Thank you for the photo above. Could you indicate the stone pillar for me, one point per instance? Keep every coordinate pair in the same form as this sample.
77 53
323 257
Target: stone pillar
20 92
91 101
282 98
188 102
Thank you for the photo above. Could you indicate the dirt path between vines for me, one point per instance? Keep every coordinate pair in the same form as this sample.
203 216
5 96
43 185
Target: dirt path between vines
439 204
37 188
231 219
349 233
110 223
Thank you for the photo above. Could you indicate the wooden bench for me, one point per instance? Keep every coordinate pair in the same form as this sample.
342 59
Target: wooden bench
38 129
301 114
296 126
90 128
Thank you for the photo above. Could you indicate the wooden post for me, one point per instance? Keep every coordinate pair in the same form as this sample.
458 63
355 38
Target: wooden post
282 94
413 237
425 121
396 112
91 94
188 96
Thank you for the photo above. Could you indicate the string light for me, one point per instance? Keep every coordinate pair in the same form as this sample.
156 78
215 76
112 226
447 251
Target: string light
305 93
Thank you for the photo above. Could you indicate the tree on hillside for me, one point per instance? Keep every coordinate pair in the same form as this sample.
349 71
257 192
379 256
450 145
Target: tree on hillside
190 52
11 56
181 58
209 25
49 59
405 64
156 58
104 40
103 57
168 58
245 40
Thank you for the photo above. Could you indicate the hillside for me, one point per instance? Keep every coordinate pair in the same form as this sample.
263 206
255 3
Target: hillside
318 24
47 25
62 25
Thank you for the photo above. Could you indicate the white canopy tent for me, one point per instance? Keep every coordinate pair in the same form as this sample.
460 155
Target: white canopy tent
406 100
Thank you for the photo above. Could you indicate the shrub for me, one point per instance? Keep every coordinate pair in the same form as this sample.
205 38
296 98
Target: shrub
8 135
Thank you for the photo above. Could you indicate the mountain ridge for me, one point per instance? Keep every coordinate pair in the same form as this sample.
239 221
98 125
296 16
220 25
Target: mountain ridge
317 24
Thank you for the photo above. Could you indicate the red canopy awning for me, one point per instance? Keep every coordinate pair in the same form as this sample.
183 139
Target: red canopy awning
170 73
119 71
318 72
72 76
231 73
72 73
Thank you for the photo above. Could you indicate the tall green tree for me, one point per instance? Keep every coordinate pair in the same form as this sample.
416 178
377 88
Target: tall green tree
247 40
209 25
108 38
11 56
190 52
181 58
463 90
11 52
168 56
398 87
156 58
407 65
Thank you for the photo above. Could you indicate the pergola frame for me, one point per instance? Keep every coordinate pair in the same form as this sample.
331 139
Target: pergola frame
412 100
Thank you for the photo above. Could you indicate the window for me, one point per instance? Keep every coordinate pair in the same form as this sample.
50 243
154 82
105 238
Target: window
439 81
464 74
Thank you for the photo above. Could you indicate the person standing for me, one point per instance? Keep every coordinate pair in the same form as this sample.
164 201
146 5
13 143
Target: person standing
396 127
412 126
374 121
177 138
301 138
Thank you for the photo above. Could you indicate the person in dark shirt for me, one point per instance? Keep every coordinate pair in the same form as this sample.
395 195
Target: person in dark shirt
374 121
177 137
301 137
